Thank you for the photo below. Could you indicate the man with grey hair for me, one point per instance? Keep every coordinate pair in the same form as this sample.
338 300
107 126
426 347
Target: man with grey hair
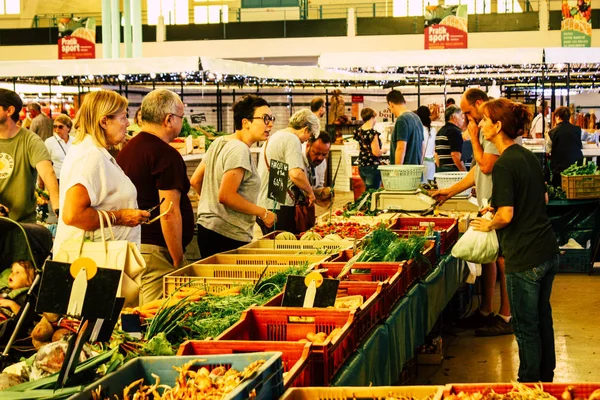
449 142
159 173
41 124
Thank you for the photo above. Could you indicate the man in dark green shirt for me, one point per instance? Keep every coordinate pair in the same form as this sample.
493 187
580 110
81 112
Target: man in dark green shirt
407 139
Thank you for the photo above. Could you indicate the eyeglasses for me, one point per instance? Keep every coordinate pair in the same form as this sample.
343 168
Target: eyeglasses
159 216
156 206
180 116
58 126
266 118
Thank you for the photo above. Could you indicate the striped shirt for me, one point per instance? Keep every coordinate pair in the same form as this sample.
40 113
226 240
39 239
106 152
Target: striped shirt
448 140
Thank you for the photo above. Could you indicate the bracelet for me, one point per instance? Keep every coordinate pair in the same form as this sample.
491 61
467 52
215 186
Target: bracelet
113 217
266 214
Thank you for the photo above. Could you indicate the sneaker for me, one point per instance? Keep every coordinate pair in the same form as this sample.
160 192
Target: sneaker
475 320
498 327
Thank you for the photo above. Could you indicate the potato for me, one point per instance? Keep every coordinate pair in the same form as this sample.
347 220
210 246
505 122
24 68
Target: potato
321 337
311 336
43 331
60 333
303 341
52 318
37 344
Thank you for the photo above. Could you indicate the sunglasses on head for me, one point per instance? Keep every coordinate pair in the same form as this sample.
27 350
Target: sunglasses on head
266 118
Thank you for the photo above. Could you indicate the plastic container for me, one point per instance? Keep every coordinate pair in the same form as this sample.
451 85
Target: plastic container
283 324
268 381
575 260
581 186
314 246
370 313
401 177
294 356
582 390
217 278
447 228
375 392
261 259
446 179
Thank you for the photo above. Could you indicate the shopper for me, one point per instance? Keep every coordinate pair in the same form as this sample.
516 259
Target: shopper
369 144
158 172
286 146
23 158
429 134
317 151
449 142
485 155
450 102
317 106
407 139
136 127
41 124
566 144
59 144
228 183
541 123
526 238
92 180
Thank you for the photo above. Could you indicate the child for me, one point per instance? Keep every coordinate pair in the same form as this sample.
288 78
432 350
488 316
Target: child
21 277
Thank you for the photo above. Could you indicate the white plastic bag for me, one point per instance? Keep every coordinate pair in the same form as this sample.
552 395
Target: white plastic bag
476 246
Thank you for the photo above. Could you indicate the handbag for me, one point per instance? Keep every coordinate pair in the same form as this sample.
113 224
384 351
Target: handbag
116 254
304 214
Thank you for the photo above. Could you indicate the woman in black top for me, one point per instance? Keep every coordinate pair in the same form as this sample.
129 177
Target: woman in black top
370 150
526 238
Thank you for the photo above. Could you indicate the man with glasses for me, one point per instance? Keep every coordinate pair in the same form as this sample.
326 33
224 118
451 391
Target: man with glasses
23 156
158 172
317 151
41 124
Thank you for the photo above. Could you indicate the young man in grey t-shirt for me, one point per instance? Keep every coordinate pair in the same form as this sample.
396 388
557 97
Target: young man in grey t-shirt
485 155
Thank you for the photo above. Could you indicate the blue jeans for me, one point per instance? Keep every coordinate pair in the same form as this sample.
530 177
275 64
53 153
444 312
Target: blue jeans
529 295
371 176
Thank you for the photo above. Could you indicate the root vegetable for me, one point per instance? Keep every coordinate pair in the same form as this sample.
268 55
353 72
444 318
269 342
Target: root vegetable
60 333
38 344
311 336
52 318
43 331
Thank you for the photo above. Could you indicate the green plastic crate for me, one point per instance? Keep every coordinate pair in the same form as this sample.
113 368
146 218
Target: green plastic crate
575 260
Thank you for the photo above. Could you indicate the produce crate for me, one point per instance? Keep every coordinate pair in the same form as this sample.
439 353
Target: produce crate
385 218
268 381
285 324
261 259
294 356
396 277
368 314
582 390
446 229
575 260
375 392
322 246
217 278
581 186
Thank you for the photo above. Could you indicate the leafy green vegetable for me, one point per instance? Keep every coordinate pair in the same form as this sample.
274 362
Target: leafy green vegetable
362 205
158 346
555 193
586 169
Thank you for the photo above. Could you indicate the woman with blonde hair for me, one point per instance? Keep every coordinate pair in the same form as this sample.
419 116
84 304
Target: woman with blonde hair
92 180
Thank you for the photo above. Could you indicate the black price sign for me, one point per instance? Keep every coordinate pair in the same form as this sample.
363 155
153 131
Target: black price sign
198 118
278 181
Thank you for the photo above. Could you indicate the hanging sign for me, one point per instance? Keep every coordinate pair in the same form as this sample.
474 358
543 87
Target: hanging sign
446 27
576 25
278 181
76 38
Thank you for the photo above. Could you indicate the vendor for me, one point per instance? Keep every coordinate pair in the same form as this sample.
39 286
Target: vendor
566 144
317 151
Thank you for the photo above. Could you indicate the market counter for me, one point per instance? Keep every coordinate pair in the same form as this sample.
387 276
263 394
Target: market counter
383 354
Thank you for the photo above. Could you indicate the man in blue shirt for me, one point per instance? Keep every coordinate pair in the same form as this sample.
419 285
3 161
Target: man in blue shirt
406 146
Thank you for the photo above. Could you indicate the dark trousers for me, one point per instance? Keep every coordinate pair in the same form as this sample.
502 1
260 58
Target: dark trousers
286 221
529 295
371 176
210 242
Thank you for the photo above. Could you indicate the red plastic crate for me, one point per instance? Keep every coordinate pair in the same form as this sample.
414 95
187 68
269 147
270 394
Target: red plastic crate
286 324
582 390
447 228
396 277
295 356
370 313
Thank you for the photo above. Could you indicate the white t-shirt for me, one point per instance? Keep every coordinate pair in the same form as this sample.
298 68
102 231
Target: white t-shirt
537 125
58 149
107 185
283 146
429 135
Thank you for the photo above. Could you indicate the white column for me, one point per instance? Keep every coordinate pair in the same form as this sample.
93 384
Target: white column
127 28
136 12
106 31
544 15
115 18
351 23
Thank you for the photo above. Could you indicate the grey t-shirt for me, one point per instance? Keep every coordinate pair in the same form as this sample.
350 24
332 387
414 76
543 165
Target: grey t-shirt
225 154
483 182
283 146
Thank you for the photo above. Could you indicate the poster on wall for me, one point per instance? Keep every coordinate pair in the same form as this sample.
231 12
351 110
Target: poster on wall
576 25
446 27
76 38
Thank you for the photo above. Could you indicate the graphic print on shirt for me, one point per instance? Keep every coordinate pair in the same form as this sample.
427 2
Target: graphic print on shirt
7 165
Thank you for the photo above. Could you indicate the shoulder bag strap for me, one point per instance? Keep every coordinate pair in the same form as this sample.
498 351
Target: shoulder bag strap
107 218
61 146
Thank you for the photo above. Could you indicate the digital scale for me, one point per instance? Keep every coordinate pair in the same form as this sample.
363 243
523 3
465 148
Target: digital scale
415 201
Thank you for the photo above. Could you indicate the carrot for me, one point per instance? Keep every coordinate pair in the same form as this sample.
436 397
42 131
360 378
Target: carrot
152 304
229 292
145 314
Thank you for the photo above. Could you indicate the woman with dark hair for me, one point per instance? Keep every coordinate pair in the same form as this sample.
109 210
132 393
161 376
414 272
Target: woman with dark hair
527 241
369 144
228 184
428 144
565 139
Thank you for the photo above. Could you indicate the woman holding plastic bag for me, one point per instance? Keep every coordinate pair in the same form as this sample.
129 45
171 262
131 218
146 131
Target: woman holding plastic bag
527 241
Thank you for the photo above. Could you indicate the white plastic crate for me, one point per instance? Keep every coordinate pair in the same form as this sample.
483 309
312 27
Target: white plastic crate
401 177
446 179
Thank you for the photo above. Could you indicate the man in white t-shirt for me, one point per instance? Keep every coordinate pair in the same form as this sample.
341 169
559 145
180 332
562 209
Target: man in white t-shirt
541 122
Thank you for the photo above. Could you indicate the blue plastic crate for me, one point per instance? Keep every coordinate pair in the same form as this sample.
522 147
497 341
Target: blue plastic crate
267 381
575 260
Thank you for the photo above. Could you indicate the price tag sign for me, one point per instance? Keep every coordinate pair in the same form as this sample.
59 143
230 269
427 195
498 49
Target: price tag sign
278 181
198 118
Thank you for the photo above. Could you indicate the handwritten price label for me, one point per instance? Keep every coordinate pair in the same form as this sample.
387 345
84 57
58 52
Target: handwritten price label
278 181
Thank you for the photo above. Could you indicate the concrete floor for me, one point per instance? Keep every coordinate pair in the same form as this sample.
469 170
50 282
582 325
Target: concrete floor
575 301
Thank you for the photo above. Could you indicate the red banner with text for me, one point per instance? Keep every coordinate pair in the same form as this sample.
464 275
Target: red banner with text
76 38
446 27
